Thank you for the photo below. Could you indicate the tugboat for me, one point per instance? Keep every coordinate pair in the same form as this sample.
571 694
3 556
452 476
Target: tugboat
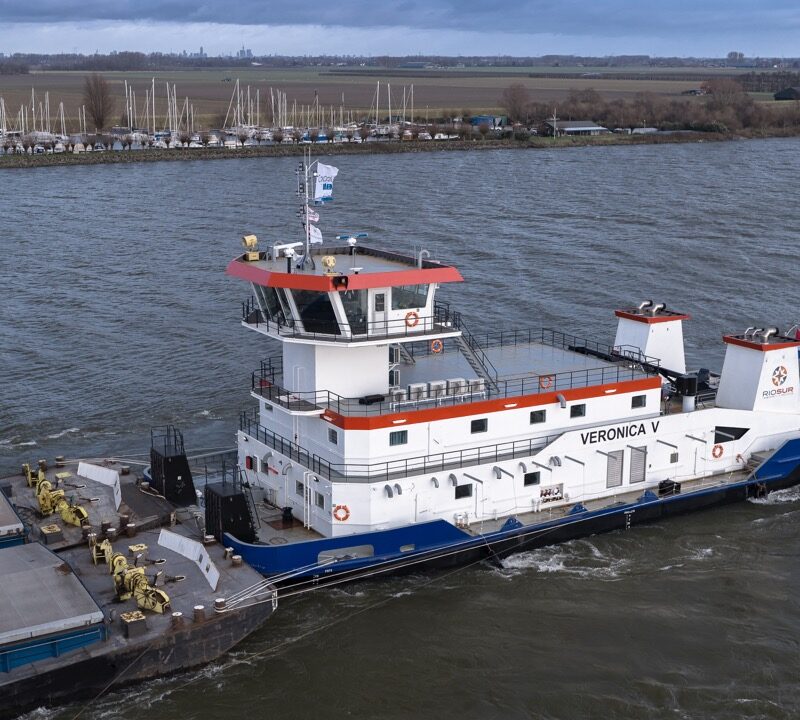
388 435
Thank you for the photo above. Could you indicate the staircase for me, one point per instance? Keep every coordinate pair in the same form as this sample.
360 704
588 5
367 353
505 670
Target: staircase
757 459
405 356
477 359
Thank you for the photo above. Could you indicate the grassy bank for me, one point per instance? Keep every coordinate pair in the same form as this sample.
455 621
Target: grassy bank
130 156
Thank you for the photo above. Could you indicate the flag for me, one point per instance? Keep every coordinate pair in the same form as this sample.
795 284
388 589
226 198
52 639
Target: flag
323 190
313 215
314 234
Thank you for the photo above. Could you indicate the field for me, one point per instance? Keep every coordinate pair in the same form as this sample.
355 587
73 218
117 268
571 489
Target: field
437 93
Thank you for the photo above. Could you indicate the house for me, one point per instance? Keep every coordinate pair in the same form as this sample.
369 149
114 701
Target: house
572 127
790 93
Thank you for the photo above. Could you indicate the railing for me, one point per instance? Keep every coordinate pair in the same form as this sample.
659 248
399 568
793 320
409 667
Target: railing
316 329
393 469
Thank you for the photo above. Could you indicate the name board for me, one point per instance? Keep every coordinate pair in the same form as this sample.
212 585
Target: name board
620 432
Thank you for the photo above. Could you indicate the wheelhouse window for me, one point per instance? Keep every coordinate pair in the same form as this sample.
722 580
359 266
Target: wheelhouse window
316 312
409 297
538 416
479 426
355 308
271 303
463 491
577 411
380 302
639 401
398 437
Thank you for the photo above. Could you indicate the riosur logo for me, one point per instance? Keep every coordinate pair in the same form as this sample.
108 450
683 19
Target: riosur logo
779 376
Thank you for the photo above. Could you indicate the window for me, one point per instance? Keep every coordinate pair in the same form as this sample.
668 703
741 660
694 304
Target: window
409 297
316 312
380 302
463 491
398 437
673 457
333 436
531 478
479 426
639 401
538 416
638 467
354 303
319 500
299 488
577 411
726 434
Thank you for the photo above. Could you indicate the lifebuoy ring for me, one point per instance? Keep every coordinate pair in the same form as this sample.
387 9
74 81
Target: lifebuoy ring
717 451
437 346
545 381
341 513
412 319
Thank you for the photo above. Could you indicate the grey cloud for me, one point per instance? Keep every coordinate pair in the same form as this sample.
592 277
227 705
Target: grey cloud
608 18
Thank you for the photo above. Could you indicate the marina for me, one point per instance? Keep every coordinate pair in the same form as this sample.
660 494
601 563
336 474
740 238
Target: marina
583 574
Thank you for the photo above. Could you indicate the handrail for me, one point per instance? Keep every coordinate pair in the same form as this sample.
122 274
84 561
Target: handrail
393 469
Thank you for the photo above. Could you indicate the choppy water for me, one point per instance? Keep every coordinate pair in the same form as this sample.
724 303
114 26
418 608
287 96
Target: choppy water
116 315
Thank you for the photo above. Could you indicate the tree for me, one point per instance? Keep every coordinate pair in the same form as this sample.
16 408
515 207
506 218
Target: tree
313 134
184 138
515 100
297 136
98 100
241 136
483 129
277 136
363 133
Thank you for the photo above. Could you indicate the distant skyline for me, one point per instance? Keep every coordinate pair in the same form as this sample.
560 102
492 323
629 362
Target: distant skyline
682 28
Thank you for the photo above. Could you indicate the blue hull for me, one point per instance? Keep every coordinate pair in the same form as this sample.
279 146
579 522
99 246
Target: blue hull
440 544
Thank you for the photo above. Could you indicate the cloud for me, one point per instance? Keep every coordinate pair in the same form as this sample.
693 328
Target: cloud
581 18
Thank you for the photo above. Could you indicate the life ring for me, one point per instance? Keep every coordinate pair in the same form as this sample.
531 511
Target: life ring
412 319
717 451
437 346
545 381
341 513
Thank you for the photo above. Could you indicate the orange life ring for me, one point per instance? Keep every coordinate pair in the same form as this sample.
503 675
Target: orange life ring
341 513
545 381
717 451
412 319
437 346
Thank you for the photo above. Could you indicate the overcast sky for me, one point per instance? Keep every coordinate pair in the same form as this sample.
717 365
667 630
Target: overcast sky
370 27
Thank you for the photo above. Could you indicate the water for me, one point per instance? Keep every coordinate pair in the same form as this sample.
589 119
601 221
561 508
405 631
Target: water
117 315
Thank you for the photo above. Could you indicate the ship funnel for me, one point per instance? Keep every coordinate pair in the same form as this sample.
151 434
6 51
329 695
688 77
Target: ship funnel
645 304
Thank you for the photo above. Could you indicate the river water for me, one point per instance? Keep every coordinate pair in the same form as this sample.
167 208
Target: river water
116 315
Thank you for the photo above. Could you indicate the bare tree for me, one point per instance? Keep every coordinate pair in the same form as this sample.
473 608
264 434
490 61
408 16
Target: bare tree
241 136
98 100
313 134
184 138
205 138
349 135
483 129
297 136
27 143
515 100
277 136
363 133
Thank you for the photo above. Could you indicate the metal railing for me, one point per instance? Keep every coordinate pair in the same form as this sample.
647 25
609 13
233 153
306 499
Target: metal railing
392 469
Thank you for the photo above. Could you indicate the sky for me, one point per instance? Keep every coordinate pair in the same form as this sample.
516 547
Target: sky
699 28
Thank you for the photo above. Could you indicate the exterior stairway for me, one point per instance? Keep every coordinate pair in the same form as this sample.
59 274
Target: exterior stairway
477 359
756 459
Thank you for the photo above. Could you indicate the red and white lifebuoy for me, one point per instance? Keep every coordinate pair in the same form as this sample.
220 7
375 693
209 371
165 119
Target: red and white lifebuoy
717 451
341 513
412 319
545 381
437 346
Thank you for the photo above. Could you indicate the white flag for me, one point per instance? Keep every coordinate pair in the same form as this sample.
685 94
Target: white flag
313 215
323 190
314 233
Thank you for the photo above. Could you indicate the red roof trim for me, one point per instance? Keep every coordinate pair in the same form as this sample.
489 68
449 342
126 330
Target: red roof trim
763 347
348 422
650 319
324 283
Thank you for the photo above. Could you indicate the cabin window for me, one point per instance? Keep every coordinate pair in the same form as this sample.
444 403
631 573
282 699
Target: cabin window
333 436
409 297
538 416
673 457
577 411
398 437
463 491
639 401
319 500
726 434
479 426
531 478
354 303
614 468
638 464
316 312
299 488
380 302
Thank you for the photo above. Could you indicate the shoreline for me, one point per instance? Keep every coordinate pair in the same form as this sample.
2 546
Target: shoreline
19 161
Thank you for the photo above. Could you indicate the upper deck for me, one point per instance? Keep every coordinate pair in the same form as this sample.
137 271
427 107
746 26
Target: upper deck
356 267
